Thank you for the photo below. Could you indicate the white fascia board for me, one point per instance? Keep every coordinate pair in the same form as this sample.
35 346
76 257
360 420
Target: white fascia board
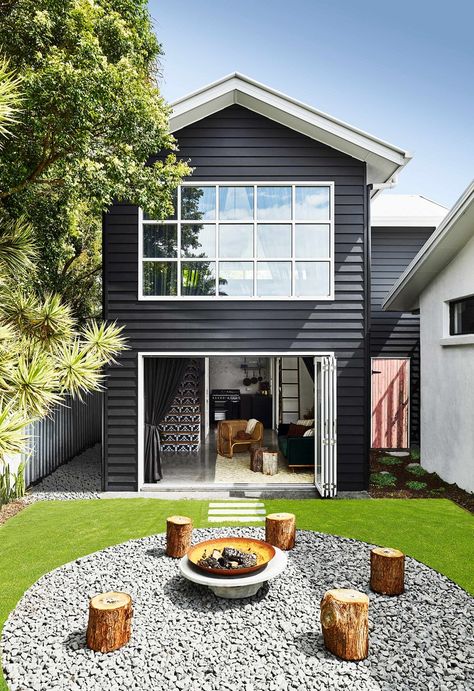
405 221
439 250
383 159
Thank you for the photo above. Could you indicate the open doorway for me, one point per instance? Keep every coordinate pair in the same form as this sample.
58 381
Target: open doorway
281 395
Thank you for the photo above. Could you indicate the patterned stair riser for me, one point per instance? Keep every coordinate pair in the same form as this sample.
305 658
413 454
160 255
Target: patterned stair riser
181 428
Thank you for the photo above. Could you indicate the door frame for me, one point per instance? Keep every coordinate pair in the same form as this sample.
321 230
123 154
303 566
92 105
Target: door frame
392 357
141 355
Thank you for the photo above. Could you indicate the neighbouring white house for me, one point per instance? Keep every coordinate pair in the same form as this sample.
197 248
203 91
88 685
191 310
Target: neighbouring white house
439 282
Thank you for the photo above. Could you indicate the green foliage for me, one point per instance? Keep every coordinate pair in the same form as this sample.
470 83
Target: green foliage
92 116
12 485
416 485
9 98
417 470
383 479
390 460
437 491
415 455
44 356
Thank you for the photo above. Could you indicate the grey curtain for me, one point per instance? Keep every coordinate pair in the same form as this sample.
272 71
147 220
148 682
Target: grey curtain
162 379
309 362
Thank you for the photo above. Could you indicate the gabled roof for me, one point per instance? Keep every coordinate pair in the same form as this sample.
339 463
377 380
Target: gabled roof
406 210
383 160
446 242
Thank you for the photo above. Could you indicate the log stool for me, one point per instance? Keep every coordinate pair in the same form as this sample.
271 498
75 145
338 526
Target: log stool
345 623
270 462
256 457
179 531
387 571
110 622
280 530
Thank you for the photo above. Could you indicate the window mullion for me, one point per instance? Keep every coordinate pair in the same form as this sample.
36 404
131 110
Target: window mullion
255 241
178 218
217 240
293 241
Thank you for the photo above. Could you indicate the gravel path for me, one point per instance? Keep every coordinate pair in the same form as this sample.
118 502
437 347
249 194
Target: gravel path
184 638
78 479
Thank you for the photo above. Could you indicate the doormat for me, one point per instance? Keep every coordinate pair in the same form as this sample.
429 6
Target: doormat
237 469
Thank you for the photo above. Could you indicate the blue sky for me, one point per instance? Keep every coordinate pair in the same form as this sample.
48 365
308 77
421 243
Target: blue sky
401 70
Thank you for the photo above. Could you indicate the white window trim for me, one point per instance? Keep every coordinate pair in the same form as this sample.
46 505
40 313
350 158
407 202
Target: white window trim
292 260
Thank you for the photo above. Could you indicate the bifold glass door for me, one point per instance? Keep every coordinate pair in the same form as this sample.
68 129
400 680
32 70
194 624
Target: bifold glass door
325 408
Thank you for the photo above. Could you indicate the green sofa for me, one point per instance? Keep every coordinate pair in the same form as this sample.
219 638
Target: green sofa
298 451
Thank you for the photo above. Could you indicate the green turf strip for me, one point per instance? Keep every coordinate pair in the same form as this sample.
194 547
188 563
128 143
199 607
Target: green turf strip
48 534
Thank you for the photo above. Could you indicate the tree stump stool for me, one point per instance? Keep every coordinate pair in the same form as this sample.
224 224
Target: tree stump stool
179 530
110 622
256 457
345 623
270 462
280 530
387 571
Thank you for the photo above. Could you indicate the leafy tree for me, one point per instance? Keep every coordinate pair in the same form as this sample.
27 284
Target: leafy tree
92 116
44 356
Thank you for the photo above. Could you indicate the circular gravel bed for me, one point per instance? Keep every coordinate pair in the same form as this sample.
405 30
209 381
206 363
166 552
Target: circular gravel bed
185 638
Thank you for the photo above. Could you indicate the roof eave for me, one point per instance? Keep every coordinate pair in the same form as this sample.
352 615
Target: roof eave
456 229
383 160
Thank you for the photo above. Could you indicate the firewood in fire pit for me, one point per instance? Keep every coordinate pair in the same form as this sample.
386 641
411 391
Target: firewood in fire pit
228 558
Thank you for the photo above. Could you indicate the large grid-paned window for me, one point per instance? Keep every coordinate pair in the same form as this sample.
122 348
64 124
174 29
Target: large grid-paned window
240 241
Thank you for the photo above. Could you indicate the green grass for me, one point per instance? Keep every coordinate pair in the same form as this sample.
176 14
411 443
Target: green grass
48 534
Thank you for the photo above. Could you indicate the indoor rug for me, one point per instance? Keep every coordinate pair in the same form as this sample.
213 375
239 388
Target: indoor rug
237 469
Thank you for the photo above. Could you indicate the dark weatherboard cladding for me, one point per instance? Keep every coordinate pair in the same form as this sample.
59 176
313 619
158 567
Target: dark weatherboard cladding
395 334
237 144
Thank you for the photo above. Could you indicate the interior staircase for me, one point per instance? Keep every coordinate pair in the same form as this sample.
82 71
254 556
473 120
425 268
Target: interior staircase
180 431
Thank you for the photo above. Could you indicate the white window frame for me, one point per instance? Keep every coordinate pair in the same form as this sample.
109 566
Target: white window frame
242 298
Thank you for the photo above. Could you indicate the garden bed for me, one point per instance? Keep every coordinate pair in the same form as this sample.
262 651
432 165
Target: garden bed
404 478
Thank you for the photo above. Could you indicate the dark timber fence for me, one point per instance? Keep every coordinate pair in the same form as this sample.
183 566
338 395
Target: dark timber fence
70 429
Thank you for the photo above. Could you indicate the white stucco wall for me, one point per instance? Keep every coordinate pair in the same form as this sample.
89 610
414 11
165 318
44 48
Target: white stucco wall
447 378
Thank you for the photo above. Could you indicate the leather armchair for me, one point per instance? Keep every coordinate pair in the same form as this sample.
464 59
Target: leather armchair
226 441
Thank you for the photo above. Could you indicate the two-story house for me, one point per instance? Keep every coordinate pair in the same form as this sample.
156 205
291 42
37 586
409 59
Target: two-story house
260 299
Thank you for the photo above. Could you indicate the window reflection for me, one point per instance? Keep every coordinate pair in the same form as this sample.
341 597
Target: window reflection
198 240
160 241
198 203
311 278
273 241
198 278
311 203
311 240
236 278
274 203
236 241
236 203
160 278
273 279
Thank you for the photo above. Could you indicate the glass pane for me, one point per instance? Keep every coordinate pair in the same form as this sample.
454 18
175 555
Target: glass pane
274 203
174 199
198 203
160 278
273 241
198 278
198 240
236 203
160 241
274 278
311 279
312 203
462 316
236 241
236 278
311 241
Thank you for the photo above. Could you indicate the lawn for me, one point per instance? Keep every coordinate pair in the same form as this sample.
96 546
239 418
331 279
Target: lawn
48 534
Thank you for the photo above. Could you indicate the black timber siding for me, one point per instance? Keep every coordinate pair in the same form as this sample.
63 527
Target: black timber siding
396 334
237 144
